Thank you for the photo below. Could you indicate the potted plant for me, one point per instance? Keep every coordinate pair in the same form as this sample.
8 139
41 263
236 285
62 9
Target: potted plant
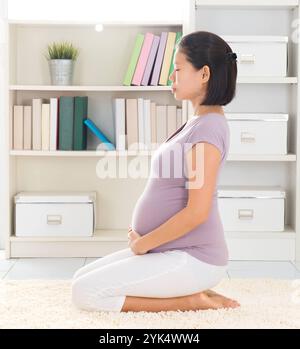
61 57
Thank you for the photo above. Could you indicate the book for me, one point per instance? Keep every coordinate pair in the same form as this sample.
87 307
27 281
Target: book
178 38
18 127
66 123
171 120
53 123
80 130
27 127
161 123
141 124
159 59
119 118
150 61
45 126
132 135
134 59
141 64
147 123
179 117
164 74
37 124
92 127
153 125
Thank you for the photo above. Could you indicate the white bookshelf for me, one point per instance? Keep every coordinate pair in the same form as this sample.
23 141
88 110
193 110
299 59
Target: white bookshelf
99 76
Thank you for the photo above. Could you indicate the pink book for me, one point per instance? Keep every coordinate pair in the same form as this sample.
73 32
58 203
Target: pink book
150 62
159 58
141 65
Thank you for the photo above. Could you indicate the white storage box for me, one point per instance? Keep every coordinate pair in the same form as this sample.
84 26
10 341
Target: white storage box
258 133
55 213
251 208
260 55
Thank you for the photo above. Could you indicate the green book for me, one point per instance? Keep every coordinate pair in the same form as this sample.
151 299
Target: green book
66 123
80 130
134 59
177 40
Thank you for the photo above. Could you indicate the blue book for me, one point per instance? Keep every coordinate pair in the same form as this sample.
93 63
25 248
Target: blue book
89 123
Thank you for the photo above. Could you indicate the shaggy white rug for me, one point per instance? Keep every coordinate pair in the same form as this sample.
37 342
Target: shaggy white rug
265 303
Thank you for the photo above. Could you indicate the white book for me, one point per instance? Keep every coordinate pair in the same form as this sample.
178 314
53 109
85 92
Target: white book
179 117
171 120
18 127
153 125
37 124
190 112
27 127
119 116
53 123
161 123
45 126
147 124
141 126
131 124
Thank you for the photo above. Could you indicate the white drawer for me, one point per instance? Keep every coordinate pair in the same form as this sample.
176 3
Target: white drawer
260 55
249 132
63 215
252 210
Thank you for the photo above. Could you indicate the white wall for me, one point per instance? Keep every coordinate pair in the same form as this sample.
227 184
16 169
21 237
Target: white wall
96 10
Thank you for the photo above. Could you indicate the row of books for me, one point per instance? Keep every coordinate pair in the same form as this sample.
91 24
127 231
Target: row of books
56 124
62 124
145 124
151 61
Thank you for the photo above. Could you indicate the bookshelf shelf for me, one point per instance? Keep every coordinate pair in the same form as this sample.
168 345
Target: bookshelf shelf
106 240
240 80
87 153
283 158
88 88
260 4
267 80
121 235
92 153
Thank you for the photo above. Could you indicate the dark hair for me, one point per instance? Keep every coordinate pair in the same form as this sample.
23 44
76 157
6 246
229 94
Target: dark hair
205 48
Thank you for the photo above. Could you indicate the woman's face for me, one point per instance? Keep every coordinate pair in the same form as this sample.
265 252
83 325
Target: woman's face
188 83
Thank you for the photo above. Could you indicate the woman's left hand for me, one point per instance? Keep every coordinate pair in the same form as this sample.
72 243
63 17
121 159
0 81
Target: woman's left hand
133 242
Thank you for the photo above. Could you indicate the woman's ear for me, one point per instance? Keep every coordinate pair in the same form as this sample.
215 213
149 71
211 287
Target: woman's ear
205 73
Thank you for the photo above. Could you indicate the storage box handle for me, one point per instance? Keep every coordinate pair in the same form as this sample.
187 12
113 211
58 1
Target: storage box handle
245 214
247 137
54 219
247 59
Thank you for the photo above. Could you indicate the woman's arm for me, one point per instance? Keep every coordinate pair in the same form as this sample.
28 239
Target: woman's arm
203 161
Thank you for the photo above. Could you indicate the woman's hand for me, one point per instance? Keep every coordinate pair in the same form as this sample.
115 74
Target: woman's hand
134 242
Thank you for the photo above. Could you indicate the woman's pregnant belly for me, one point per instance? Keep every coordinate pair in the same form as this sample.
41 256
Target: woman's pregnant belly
155 207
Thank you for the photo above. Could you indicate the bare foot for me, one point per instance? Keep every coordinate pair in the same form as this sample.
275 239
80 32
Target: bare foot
202 301
226 302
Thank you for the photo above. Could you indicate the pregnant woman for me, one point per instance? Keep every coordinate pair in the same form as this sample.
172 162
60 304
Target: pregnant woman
177 251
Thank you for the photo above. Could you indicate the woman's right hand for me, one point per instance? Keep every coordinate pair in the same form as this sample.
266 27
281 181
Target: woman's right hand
133 239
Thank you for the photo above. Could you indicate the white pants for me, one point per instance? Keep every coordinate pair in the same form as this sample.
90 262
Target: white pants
104 284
